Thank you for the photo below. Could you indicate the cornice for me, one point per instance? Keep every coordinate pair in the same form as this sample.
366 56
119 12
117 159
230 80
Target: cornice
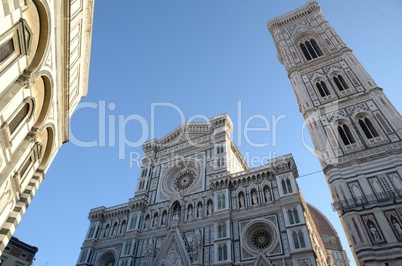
341 103
276 166
364 156
102 213
185 133
66 69
293 16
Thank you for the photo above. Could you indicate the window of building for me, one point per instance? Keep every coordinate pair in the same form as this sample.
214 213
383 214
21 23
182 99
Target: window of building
345 134
289 185
91 232
127 248
290 215
23 255
293 216
368 128
222 252
221 230
310 49
286 186
19 118
340 83
220 162
221 201
322 89
6 49
298 239
296 215
219 149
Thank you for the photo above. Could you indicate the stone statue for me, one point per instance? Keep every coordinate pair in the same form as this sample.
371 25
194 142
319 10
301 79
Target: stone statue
199 211
209 208
374 232
241 201
254 198
397 227
190 214
164 218
267 195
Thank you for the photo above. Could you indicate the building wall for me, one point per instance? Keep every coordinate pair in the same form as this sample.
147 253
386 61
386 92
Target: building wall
18 253
355 129
190 209
40 85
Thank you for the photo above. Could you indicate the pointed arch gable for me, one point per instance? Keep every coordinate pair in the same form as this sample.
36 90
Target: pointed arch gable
262 260
173 242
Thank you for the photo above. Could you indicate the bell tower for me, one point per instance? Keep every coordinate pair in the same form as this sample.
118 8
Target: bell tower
355 129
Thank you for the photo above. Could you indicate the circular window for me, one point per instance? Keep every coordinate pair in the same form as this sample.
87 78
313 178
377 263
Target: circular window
260 235
184 179
261 239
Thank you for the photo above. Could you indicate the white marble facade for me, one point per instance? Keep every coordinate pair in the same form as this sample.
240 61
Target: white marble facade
194 206
43 76
355 129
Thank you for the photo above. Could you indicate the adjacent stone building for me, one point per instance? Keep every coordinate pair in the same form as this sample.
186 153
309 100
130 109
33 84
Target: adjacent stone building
18 253
198 203
356 131
44 63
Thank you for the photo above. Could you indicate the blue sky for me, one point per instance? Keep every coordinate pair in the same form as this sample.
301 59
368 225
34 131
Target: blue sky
155 64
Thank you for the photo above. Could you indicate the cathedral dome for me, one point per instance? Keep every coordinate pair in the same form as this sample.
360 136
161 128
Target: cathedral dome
325 229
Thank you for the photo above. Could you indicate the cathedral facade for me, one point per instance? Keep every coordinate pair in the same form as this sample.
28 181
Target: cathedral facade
355 129
44 64
198 203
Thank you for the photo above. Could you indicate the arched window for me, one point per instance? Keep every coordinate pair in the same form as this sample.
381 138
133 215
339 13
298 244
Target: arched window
284 188
221 201
296 215
367 128
293 216
289 185
290 215
340 83
91 232
298 239
295 240
222 252
345 134
310 49
301 239
221 230
322 88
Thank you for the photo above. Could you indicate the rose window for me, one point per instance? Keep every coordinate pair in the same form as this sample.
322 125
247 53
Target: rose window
261 239
184 179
